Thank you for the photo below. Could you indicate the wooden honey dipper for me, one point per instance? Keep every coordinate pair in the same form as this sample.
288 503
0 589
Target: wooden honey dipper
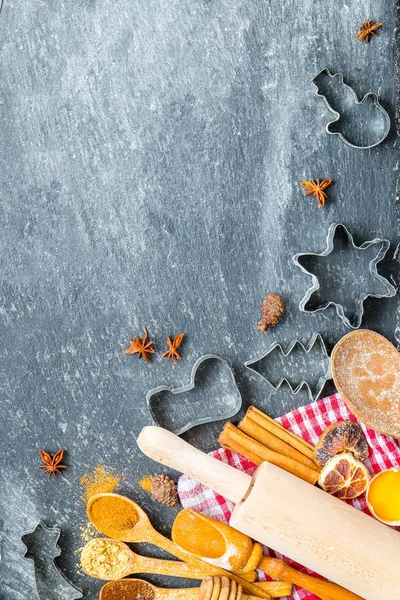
221 588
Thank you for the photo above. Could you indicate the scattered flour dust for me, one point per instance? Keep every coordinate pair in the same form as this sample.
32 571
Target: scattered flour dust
224 561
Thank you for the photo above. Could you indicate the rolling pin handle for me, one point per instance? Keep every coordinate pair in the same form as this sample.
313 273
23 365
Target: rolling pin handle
170 450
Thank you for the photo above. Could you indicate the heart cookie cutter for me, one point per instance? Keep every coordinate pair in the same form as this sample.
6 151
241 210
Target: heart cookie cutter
370 130
303 366
42 547
168 410
342 289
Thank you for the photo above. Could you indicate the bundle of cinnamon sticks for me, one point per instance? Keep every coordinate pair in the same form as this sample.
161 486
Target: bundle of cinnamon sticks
259 438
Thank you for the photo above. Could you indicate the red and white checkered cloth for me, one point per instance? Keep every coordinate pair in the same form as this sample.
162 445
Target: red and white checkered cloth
309 422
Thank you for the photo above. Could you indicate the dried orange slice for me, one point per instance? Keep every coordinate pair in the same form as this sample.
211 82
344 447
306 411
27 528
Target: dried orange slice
345 436
344 476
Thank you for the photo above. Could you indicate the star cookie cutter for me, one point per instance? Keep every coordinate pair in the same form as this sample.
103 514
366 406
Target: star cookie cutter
363 123
303 366
42 547
212 394
341 289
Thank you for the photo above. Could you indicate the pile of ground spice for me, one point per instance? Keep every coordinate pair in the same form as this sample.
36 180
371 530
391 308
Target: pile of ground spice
105 560
127 588
117 515
100 482
145 483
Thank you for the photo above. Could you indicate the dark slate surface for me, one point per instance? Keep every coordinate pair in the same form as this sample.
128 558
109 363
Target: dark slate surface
150 154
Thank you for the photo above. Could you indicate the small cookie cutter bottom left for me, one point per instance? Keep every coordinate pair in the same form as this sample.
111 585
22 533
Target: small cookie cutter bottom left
42 547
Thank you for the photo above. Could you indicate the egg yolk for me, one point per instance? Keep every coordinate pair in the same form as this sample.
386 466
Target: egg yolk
384 495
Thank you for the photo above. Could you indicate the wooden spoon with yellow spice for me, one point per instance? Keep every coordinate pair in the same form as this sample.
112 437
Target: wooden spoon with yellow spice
108 559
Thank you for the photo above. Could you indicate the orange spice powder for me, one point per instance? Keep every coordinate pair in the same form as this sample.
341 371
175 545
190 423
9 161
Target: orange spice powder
100 482
145 483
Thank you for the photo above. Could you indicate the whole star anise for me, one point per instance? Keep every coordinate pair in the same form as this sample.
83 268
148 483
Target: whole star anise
52 463
368 29
315 188
141 346
173 346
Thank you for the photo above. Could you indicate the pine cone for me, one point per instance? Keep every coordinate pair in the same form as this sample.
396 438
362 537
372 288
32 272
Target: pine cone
272 310
163 489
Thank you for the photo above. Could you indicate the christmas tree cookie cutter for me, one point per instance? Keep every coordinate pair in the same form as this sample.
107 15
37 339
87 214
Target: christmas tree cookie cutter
42 547
298 365
360 124
344 275
211 395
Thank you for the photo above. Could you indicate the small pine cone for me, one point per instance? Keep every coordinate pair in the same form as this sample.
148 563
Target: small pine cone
163 489
272 310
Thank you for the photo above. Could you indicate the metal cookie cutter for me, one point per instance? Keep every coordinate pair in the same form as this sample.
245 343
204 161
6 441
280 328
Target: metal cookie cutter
211 395
301 365
345 273
359 123
42 547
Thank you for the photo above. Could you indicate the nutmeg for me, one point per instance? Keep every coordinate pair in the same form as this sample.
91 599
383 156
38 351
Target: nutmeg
163 489
272 312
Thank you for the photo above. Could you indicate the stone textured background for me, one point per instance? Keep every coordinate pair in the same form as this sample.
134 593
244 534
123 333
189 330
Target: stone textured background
150 154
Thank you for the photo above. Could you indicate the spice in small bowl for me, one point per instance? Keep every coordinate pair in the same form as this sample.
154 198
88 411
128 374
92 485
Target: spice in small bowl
383 497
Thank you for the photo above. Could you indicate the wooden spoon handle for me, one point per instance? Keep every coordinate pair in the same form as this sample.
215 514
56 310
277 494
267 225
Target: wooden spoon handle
326 590
276 588
170 568
176 594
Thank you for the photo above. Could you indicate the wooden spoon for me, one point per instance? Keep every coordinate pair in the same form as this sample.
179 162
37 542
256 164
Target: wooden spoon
122 519
213 541
212 588
193 531
108 559
366 371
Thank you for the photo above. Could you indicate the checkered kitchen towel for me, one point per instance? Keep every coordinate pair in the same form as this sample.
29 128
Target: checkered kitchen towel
309 422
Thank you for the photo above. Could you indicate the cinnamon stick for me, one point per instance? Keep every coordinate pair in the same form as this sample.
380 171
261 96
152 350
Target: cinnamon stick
273 442
234 446
284 434
232 438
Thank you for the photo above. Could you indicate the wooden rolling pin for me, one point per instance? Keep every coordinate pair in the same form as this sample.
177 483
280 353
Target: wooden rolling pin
294 518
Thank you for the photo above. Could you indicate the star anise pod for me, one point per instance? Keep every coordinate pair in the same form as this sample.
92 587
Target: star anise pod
368 29
315 188
52 463
173 346
141 346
